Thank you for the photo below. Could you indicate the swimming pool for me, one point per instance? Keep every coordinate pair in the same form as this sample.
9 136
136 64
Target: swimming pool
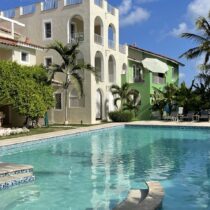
94 171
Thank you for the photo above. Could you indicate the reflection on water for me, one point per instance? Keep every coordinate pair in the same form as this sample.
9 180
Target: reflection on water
96 171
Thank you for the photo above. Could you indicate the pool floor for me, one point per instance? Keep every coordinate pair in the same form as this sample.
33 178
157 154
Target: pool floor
95 171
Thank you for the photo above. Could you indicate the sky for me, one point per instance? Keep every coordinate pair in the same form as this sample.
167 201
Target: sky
154 25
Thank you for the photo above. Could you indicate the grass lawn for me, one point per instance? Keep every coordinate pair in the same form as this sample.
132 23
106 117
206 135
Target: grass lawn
35 131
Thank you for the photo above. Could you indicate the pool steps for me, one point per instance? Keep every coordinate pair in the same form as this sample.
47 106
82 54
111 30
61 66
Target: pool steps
13 174
150 199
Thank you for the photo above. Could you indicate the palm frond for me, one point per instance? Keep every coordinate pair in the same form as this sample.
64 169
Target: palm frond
192 53
77 80
204 25
195 37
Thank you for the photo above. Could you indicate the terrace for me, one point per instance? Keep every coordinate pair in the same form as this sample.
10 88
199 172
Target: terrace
54 4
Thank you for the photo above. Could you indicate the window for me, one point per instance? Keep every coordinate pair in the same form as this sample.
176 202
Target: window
159 78
47 30
174 73
48 61
75 100
137 74
58 101
24 57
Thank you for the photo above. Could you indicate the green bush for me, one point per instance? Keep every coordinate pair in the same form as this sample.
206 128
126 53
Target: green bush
120 116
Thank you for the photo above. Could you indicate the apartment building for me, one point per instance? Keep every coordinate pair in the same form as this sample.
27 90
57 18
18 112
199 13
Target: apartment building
18 48
95 23
148 70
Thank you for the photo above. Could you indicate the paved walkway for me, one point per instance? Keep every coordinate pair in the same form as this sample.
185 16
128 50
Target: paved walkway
37 137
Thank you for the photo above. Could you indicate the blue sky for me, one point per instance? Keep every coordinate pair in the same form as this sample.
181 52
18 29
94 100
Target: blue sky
154 25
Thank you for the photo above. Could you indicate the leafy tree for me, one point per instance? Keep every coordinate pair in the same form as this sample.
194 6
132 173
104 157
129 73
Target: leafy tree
26 89
69 67
203 40
129 98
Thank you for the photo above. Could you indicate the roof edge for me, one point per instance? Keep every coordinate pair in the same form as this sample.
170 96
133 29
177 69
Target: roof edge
156 54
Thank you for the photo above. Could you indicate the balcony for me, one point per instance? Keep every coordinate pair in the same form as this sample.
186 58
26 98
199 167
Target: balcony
158 79
122 48
110 9
112 44
99 3
49 4
30 9
9 13
79 37
99 39
73 2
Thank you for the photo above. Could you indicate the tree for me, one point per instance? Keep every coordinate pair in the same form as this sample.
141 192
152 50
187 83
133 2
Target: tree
69 67
203 40
129 98
26 89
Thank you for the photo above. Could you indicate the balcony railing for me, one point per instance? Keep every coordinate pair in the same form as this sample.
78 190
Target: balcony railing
112 44
9 13
77 37
73 2
110 9
30 9
122 48
49 4
99 3
158 80
99 39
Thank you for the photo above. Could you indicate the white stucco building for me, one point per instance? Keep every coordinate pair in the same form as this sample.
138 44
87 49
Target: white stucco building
95 23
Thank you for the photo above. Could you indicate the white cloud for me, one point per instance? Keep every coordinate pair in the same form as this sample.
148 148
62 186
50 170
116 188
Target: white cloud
125 7
198 8
182 27
136 16
131 14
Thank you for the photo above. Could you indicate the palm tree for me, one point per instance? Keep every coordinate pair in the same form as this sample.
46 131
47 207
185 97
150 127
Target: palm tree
69 67
125 95
203 40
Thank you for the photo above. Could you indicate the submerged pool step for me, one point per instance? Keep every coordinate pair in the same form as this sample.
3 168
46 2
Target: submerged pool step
13 174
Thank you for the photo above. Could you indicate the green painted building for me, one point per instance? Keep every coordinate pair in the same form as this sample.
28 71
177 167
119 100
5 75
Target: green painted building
147 70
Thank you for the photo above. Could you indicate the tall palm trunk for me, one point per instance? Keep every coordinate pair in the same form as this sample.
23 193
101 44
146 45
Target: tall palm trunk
66 107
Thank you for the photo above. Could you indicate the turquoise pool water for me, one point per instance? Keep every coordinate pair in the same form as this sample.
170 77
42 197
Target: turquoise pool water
95 171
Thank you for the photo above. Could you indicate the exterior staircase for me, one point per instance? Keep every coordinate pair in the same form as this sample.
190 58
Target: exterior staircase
13 174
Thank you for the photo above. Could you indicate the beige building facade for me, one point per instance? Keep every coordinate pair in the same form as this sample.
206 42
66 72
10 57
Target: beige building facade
95 23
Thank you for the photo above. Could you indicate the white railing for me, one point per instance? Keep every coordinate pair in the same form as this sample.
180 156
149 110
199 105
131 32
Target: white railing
73 2
9 13
49 4
99 3
112 44
29 9
110 9
77 37
122 48
99 39
158 80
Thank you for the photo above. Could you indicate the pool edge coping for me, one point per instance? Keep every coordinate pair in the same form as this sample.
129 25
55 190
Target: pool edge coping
46 136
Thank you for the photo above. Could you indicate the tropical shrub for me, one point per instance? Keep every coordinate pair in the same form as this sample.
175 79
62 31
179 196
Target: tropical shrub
120 116
26 89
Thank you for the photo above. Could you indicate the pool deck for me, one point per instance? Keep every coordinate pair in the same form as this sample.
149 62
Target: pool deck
32 138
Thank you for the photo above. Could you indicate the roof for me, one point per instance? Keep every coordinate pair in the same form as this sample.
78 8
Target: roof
17 43
157 55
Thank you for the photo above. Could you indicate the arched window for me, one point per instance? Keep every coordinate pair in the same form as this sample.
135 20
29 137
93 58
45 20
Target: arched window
98 31
112 69
112 37
75 99
99 65
76 29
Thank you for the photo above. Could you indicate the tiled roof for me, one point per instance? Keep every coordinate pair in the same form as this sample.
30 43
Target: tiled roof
17 43
155 54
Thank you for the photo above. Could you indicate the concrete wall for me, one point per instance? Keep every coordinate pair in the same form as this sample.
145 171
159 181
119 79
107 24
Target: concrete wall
146 88
60 19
